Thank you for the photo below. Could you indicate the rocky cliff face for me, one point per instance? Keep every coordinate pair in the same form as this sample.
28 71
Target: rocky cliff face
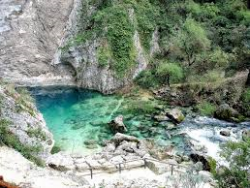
33 32
24 120
30 33
84 56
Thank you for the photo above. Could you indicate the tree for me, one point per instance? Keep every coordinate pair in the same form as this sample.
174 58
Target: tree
243 53
192 40
168 72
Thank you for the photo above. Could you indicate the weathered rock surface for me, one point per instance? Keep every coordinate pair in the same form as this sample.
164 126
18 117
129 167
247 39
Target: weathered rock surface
176 115
196 157
227 113
24 119
119 150
18 170
30 33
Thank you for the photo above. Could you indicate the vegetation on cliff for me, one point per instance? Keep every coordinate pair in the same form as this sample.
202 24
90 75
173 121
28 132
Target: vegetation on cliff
237 154
19 103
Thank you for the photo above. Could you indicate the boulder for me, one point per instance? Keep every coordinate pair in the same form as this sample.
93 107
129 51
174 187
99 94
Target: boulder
246 134
117 125
110 147
195 157
225 132
227 113
135 164
206 176
61 161
119 138
175 115
197 147
161 118
157 168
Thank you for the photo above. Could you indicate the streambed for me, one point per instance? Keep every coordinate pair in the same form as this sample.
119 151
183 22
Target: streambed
78 120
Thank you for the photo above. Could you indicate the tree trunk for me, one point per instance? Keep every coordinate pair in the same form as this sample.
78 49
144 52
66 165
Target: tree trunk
248 4
168 80
248 79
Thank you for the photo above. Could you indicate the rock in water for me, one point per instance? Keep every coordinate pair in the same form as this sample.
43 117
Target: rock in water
195 157
117 125
175 115
245 134
225 132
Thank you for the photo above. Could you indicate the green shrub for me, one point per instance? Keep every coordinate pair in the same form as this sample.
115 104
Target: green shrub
169 72
212 163
147 79
244 17
206 108
237 173
146 17
120 33
218 58
24 101
104 56
213 76
37 133
245 100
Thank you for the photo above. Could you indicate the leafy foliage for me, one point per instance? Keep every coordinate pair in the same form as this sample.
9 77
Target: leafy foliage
37 133
147 79
120 32
192 40
206 108
169 72
237 154
245 99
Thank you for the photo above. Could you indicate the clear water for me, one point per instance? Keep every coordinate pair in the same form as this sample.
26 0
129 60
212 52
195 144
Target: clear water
77 116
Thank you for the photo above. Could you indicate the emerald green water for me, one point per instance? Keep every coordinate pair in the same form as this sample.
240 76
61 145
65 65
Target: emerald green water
78 116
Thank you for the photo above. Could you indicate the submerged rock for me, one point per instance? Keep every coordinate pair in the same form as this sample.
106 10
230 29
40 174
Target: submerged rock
91 144
117 125
161 118
175 115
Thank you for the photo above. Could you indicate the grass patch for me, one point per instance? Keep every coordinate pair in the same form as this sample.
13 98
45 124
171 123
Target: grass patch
37 133
245 100
24 102
140 107
206 108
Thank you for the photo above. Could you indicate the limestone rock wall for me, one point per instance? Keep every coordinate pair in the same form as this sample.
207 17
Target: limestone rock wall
30 33
24 120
